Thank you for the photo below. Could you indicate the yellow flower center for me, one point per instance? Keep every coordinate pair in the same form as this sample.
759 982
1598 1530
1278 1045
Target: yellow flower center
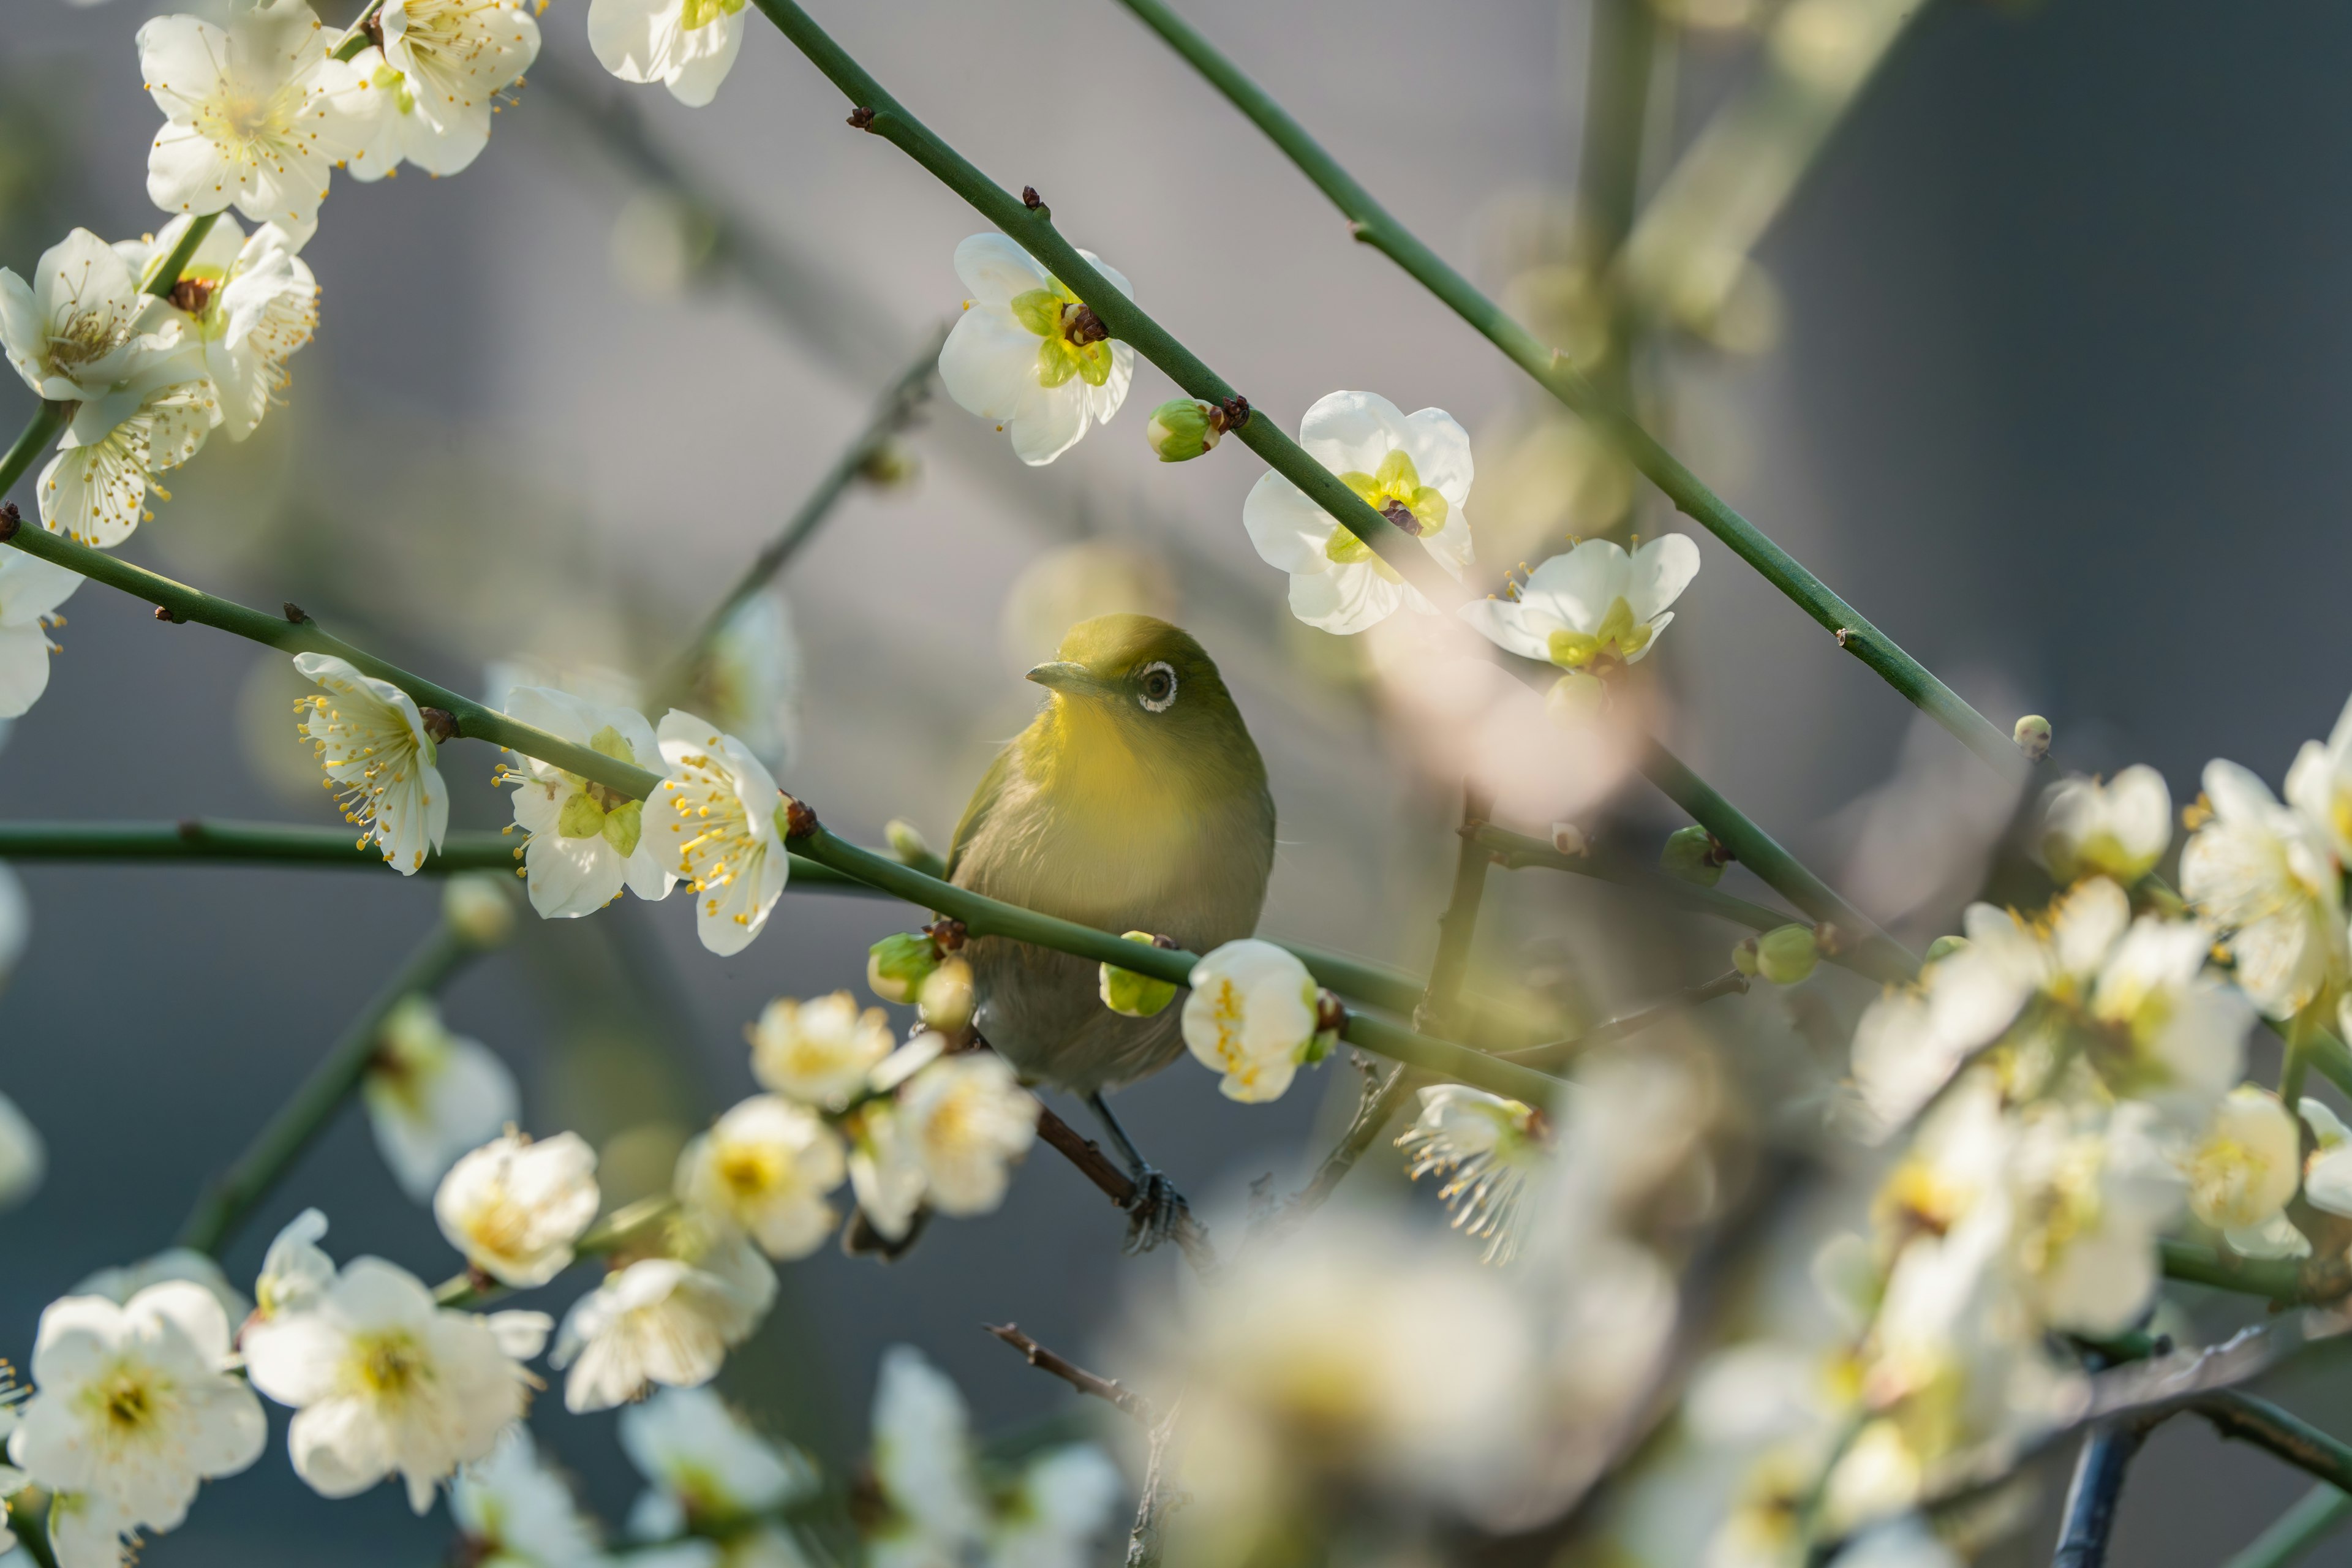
389 1366
1074 344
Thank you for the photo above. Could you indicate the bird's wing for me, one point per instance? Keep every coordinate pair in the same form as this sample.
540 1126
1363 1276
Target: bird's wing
991 785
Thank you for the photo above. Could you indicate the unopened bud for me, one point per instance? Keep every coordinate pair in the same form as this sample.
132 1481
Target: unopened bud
2033 736
1743 957
907 844
479 908
1136 996
1575 698
1693 855
1945 946
1787 954
1183 428
945 999
1569 839
896 966
890 464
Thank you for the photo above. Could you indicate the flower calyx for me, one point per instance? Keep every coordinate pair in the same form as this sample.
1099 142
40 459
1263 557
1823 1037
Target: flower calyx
861 117
440 724
948 934
11 519
796 817
1081 326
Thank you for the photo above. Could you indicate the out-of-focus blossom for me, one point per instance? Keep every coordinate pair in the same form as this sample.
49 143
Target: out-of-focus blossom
819 1051
1907 1543
2265 877
514 1206
2319 785
2091 1192
1058 1510
24 1154
383 1382
247 306
747 681
513 1510
1027 354
2119 828
295 1271
181 1265
720 818
1413 469
1486 1147
136 1408
429 92
478 907
766 1167
923 1464
256 113
432 1096
1590 612
369 737
964 1121
1251 1017
703 1464
2247 1167
688 45
587 841
665 1320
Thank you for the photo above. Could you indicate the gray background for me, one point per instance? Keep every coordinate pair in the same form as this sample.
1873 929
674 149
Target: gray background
2056 404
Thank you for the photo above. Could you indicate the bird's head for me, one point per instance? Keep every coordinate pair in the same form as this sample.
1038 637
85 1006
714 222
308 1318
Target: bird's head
1150 687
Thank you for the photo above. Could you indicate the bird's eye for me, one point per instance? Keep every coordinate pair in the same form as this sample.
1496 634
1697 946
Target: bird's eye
1159 687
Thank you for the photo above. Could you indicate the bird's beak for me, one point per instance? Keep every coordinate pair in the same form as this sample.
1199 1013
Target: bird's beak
1063 674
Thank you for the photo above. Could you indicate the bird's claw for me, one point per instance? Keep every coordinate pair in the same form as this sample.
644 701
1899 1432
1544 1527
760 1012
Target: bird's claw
1153 1212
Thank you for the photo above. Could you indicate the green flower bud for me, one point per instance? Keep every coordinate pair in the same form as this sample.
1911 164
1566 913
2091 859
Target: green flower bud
1743 958
1787 954
1692 854
1136 996
890 465
1575 698
945 997
1183 428
478 907
896 966
1945 946
2033 736
907 844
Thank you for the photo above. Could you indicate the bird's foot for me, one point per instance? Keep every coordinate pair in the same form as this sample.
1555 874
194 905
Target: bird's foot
1153 1212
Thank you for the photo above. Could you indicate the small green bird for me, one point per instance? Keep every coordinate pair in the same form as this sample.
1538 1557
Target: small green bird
1134 801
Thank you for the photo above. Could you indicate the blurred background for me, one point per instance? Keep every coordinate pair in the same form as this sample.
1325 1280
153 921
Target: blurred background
2024 327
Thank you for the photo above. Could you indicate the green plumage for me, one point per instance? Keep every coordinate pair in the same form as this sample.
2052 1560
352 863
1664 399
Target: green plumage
1135 801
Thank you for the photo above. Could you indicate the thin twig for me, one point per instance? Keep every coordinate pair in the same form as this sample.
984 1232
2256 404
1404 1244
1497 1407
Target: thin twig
2093 1496
1559 1052
610 1234
2281 1431
1119 1186
1074 1374
1148 1540
2320 1514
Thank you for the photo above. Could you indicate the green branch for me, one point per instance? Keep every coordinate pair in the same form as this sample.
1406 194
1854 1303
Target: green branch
2276 1280
1032 229
892 411
2280 1432
233 1196
48 421
984 915
1374 225
178 601
2320 1514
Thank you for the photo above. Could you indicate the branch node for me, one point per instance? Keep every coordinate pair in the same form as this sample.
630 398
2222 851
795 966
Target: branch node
439 723
163 613
799 818
1232 413
1845 633
1036 202
10 521
947 932
1331 1013
861 117
295 614
1360 231
190 830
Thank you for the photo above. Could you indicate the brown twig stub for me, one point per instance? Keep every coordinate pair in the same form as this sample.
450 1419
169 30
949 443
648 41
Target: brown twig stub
163 613
1231 414
1331 1013
799 818
947 933
295 614
1074 1374
861 117
1032 200
11 519
439 723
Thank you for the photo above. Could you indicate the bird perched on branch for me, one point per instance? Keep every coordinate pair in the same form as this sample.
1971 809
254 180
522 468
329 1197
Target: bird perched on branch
1134 801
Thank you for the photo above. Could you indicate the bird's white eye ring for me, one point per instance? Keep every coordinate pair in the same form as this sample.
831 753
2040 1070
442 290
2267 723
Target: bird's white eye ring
1159 687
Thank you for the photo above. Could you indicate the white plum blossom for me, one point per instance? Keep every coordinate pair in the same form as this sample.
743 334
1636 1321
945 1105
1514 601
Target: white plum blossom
1413 469
2265 877
1591 612
245 306
2247 1167
703 1463
384 1383
295 1271
514 1206
427 95
2319 785
254 113
94 491
748 678
135 1409
24 1155
1061 1505
184 1265
1027 354
587 841
666 1321
1486 1147
1252 1015
818 1052
722 820
766 1167
923 1464
369 737
2119 828
688 45
432 1096
81 330
964 1121
515 1512
2091 1194
2327 1174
